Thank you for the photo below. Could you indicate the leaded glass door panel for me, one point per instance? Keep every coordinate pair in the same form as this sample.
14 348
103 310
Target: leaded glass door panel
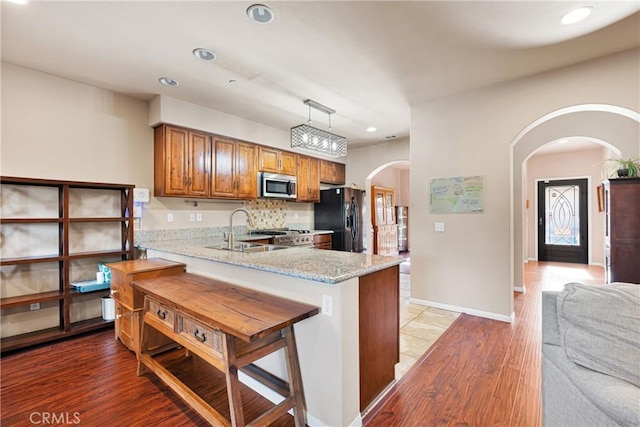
562 221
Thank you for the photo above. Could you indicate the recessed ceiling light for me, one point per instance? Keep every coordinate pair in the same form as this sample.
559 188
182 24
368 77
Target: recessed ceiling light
372 129
260 13
168 81
204 54
576 15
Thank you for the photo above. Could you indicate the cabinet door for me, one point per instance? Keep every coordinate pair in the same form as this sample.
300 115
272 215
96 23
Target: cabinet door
288 163
331 172
126 327
314 180
308 179
199 161
222 176
268 159
303 179
171 161
389 211
246 171
377 202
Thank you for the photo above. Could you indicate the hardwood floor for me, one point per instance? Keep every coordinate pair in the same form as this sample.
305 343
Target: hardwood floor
482 372
91 380
479 373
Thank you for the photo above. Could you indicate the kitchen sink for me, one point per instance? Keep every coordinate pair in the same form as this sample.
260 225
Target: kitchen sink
249 247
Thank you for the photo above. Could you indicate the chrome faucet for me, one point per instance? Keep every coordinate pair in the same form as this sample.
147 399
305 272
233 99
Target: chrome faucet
249 220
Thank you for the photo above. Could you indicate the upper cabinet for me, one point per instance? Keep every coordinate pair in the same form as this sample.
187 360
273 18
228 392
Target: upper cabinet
277 161
308 179
182 162
190 163
234 173
332 173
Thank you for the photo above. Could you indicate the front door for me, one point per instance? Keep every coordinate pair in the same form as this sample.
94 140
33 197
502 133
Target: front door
562 221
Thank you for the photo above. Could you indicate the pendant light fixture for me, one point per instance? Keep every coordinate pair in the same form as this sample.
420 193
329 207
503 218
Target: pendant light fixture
309 138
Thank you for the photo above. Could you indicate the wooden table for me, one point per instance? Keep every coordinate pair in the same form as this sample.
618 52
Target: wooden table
229 327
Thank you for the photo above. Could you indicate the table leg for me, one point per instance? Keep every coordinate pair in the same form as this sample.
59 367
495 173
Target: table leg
144 343
295 379
233 384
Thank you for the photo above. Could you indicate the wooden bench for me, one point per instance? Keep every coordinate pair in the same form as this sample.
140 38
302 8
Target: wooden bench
229 327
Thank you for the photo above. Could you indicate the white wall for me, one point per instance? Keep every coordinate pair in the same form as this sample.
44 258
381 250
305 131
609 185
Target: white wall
364 163
60 129
584 163
468 266
404 198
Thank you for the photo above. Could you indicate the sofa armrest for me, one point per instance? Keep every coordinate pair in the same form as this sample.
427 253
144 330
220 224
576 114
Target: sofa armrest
550 326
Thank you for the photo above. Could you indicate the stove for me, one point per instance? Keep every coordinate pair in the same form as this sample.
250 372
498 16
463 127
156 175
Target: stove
288 237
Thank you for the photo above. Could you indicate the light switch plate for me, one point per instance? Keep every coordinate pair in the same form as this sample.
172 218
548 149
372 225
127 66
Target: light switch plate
141 195
440 226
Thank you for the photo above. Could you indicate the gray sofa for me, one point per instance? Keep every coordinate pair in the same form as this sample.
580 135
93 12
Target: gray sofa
591 356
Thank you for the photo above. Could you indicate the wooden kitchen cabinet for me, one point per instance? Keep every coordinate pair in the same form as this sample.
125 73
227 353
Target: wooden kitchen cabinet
182 162
308 179
234 171
622 230
332 172
382 200
379 332
385 240
54 235
385 230
129 302
277 161
323 241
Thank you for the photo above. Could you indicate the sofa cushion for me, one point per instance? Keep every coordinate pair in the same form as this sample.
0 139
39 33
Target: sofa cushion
614 398
600 328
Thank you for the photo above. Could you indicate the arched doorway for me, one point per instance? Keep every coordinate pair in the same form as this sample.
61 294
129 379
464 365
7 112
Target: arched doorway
618 126
394 174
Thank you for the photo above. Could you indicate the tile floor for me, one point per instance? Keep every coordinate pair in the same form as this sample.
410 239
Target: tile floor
420 327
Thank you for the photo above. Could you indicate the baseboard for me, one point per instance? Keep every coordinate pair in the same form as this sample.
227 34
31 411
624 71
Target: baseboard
357 422
374 403
597 264
520 289
479 313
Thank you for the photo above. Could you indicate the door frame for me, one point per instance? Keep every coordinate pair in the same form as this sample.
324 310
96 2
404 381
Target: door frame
589 211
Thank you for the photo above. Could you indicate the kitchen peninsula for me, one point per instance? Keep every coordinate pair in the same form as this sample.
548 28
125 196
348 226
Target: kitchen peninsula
348 352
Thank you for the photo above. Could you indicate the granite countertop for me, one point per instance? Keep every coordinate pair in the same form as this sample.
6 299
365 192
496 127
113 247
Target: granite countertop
303 262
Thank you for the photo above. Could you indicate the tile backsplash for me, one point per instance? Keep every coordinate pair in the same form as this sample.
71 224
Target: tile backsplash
268 213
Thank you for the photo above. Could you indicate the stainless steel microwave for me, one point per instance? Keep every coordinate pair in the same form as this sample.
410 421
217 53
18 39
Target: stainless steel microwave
277 186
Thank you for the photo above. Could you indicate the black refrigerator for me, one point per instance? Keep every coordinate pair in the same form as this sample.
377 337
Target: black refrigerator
342 210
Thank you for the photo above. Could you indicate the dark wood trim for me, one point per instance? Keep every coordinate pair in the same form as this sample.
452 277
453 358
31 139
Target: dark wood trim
379 323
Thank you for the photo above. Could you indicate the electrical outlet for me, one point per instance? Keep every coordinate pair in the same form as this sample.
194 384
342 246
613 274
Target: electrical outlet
192 217
327 305
169 217
137 211
34 306
440 226
198 217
